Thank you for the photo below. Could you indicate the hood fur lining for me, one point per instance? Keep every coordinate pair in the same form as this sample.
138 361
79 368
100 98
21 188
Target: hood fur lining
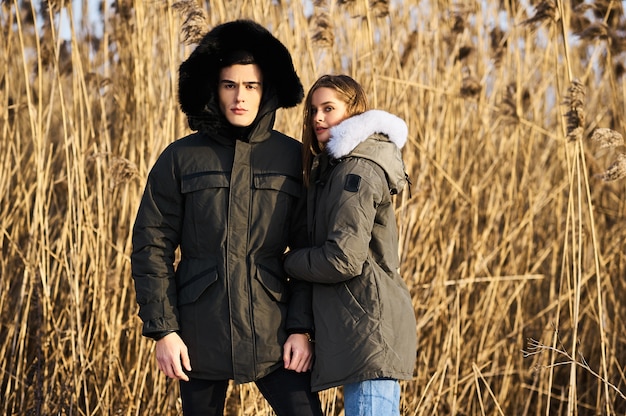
348 134
198 74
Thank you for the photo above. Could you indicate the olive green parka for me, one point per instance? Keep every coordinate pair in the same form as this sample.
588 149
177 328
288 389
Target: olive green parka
231 200
365 324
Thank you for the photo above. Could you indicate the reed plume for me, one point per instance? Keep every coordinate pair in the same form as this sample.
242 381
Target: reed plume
409 49
195 22
498 43
544 11
380 8
323 32
470 86
617 170
575 114
606 137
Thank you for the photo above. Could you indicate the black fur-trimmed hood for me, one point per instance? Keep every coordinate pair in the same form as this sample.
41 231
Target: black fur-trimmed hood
198 74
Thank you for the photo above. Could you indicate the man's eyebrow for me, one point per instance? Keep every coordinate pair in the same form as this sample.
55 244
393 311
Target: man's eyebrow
228 81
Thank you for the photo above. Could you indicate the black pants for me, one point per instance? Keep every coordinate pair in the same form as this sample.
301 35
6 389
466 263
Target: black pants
289 394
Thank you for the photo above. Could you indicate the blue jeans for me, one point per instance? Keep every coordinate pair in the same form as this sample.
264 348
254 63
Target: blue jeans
372 398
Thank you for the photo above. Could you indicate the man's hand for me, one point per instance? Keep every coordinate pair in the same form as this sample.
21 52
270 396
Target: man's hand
172 356
298 353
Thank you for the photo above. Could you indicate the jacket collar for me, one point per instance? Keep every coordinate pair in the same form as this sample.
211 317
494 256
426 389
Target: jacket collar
348 134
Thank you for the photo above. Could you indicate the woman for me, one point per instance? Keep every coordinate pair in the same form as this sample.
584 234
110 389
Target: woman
365 328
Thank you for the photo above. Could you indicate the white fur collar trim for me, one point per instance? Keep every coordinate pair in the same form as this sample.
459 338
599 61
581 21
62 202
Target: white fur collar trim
348 134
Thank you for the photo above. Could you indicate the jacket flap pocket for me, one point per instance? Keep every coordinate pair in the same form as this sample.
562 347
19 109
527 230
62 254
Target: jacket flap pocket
273 284
194 277
278 182
349 301
204 180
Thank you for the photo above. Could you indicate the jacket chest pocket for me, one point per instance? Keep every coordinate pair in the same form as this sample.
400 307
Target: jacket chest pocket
206 202
274 197
204 181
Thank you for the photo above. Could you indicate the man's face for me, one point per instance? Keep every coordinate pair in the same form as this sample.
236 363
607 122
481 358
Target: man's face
240 89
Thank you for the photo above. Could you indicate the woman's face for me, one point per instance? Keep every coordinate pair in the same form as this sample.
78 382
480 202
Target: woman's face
327 110
240 89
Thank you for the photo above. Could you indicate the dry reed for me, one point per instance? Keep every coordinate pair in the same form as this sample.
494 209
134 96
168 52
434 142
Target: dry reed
513 253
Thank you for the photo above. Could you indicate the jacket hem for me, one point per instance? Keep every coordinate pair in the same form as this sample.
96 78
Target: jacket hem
397 376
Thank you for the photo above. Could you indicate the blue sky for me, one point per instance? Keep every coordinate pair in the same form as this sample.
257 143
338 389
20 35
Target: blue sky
93 5
95 19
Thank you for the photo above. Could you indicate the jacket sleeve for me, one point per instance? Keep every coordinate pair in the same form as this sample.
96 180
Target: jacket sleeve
351 213
300 313
155 238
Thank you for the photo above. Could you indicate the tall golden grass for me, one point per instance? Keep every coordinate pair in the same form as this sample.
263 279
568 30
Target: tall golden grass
512 237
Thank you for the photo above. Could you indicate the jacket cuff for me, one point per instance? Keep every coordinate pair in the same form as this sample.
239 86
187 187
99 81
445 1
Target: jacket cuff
299 331
310 334
158 335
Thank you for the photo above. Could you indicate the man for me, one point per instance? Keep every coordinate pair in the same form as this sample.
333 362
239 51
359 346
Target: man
230 198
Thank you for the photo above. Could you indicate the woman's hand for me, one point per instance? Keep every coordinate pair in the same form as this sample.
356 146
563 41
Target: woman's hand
298 353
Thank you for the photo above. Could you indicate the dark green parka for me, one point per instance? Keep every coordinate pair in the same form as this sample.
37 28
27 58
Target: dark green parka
231 200
365 324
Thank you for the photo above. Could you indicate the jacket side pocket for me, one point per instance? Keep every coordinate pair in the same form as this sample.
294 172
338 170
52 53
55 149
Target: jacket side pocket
194 277
272 283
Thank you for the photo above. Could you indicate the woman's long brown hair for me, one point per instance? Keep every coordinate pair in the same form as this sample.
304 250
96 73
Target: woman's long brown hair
350 92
